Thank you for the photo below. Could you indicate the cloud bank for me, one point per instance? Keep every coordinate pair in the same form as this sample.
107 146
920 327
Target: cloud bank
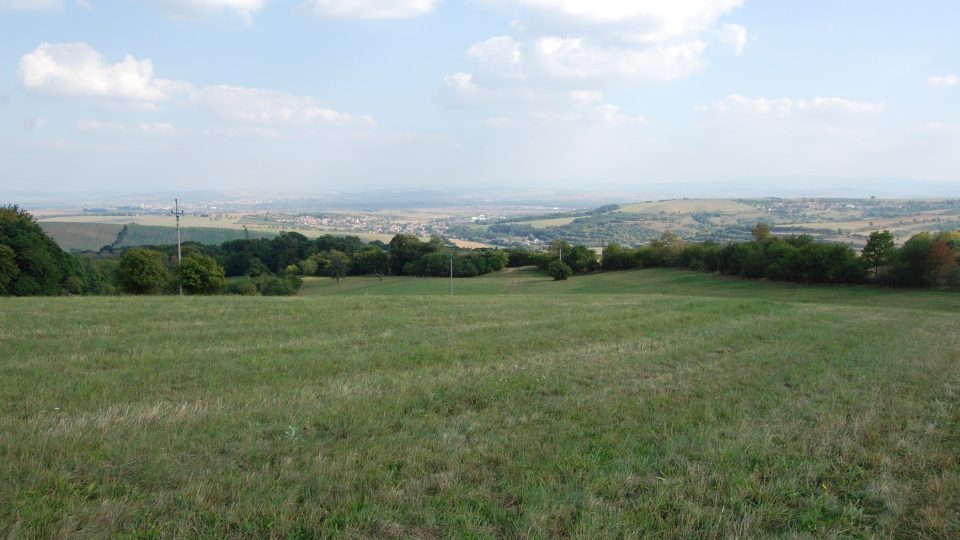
77 70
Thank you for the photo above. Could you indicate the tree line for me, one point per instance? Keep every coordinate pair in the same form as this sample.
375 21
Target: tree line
32 264
925 260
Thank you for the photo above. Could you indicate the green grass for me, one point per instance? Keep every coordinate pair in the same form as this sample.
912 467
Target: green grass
646 403
654 281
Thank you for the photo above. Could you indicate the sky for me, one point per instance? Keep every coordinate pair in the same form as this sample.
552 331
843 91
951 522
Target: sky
348 95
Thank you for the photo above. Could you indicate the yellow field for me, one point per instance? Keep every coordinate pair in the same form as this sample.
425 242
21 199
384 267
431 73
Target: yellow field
901 227
556 222
469 244
681 206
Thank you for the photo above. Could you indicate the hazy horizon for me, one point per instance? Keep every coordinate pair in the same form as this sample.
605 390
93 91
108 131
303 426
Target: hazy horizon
705 98
822 188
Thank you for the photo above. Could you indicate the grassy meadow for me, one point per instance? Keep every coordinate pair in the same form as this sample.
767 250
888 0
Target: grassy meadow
625 404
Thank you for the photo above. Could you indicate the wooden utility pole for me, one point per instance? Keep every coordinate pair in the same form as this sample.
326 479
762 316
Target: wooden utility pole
177 212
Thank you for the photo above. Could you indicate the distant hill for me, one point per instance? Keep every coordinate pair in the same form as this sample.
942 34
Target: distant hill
840 220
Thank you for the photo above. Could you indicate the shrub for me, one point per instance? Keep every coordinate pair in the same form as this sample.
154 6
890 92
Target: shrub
142 271
200 274
278 286
559 271
244 287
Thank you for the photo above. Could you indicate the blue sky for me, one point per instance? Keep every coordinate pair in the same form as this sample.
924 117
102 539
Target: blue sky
343 95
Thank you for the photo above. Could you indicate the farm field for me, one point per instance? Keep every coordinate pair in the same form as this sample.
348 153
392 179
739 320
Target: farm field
902 228
686 206
82 236
155 235
145 219
555 222
639 403
92 235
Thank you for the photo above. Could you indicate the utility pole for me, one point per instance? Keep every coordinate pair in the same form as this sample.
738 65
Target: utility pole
177 212
451 271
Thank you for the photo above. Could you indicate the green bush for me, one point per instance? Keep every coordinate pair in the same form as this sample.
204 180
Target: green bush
244 287
287 285
559 270
142 271
200 274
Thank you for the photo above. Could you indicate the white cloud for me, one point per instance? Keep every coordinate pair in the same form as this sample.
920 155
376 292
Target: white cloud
560 43
943 81
560 54
573 58
265 107
557 58
31 5
367 9
244 9
500 55
462 83
77 70
784 107
639 20
733 34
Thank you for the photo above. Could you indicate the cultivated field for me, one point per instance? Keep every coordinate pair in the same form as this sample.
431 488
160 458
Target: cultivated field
82 236
686 206
626 404
91 234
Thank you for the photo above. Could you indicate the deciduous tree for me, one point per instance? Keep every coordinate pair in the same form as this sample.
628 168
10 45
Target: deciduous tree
42 268
878 251
337 264
8 267
761 232
142 271
200 274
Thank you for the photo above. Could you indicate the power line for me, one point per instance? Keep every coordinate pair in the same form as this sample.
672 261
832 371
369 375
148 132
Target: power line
177 212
